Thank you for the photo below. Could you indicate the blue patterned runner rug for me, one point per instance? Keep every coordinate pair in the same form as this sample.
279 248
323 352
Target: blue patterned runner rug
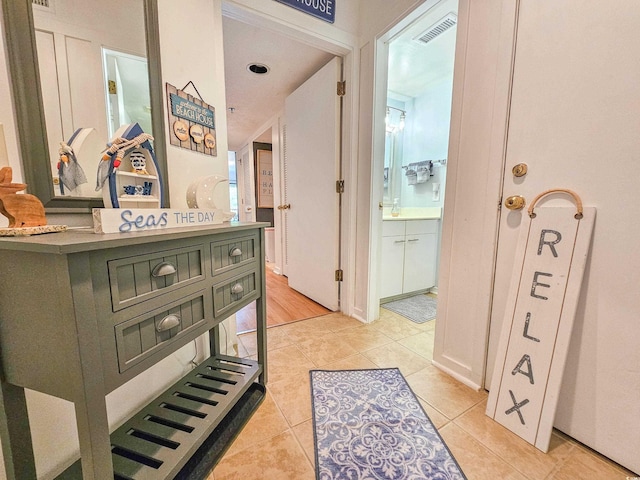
368 425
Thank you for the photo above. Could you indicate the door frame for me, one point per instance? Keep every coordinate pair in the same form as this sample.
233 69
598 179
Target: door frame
346 47
485 46
381 61
484 66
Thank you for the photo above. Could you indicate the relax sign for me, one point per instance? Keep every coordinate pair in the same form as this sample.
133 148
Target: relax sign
553 247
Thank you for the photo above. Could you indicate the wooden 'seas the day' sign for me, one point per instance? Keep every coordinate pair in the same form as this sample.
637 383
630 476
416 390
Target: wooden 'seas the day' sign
552 253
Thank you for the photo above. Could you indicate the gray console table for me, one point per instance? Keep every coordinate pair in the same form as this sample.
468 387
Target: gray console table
81 314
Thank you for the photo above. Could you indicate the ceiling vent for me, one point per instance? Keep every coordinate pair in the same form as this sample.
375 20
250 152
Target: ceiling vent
438 28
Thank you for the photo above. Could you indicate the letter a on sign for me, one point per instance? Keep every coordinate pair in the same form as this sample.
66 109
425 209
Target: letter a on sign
548 269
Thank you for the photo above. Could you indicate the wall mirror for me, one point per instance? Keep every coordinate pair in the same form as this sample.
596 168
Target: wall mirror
98 66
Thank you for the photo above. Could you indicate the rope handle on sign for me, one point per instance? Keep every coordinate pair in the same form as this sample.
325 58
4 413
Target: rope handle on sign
573 194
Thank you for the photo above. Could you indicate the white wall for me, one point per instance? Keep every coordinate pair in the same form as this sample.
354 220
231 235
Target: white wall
426 137
196 55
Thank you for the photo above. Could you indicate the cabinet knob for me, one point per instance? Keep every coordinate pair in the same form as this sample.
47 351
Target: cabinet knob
237 288
163 269
168 322
235 252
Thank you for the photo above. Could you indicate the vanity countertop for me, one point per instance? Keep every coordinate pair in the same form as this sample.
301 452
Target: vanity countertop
425 213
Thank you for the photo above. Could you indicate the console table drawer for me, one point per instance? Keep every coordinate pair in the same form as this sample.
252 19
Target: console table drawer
234 293
232 253
142 336
139 278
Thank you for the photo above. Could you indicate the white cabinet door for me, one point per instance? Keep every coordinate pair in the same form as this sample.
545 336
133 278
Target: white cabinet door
419 262
392 269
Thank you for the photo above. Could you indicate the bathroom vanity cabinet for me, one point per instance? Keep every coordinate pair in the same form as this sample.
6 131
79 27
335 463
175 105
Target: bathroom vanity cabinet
82 313
409 249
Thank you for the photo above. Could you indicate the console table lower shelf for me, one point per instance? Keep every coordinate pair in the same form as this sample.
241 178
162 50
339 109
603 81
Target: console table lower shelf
185 431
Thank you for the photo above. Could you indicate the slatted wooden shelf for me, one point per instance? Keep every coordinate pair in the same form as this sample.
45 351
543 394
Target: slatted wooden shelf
157 442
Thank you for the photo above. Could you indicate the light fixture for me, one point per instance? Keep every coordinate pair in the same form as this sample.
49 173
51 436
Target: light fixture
387 119
258 68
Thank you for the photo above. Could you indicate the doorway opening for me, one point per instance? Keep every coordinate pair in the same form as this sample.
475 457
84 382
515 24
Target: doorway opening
245 43
127 90
417 123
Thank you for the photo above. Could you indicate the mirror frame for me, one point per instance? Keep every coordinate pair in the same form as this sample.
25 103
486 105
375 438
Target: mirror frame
22 59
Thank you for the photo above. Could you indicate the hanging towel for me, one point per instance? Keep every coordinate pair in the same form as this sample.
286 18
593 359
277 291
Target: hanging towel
412 176
424 172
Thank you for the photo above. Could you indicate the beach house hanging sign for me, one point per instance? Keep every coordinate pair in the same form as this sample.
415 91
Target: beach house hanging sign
534 341
322 9
192 122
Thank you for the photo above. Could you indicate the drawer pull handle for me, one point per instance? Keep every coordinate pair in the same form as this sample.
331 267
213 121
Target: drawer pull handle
237 288
163 269
168 322
235 252
399 241
413 240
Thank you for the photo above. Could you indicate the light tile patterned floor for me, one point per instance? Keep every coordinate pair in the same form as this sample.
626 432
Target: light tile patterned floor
277 443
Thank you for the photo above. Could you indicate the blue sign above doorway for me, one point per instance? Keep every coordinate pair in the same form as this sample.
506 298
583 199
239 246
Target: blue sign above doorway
322 9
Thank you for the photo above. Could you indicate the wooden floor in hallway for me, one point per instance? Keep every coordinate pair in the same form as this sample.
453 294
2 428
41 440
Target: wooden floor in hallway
284 305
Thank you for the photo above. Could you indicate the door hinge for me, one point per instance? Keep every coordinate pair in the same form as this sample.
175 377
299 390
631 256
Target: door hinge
339 275
339 186
342 88
500 204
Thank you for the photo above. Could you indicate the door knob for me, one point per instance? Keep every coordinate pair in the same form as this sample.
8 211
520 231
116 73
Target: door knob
286 206
519 170
514 202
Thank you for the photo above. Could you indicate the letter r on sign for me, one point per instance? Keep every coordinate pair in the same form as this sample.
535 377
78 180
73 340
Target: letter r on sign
551 244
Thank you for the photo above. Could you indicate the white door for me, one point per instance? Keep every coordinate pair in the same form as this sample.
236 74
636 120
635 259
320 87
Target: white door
312 117
246 188
284 197
575 121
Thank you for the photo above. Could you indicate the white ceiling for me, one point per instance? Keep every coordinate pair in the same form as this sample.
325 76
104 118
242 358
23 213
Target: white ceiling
413 66
257 98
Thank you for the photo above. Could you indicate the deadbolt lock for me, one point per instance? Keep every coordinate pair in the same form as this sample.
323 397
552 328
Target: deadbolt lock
519 170
514 202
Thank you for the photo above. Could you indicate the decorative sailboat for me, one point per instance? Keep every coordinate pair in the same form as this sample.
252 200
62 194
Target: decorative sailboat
128 173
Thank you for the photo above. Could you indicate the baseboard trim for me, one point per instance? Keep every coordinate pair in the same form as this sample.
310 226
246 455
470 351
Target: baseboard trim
457 376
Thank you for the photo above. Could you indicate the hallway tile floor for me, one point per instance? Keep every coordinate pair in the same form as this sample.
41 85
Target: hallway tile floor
277 443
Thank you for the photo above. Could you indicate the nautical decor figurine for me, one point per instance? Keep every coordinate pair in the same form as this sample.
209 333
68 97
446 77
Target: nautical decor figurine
138 162
70 172
24 210
128 172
